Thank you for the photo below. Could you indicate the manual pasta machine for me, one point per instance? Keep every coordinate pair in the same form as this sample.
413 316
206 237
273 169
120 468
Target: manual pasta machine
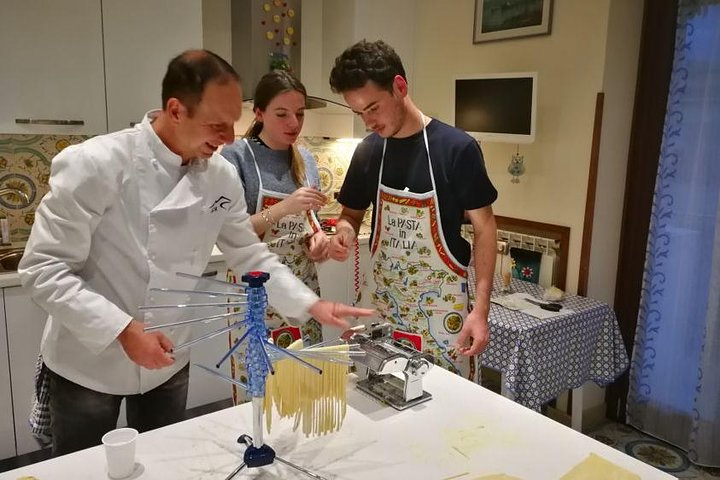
390 371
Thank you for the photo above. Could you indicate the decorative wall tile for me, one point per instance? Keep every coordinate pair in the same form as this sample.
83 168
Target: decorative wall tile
333 158
25 166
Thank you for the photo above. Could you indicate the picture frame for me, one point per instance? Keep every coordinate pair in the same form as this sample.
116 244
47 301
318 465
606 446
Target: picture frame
501 19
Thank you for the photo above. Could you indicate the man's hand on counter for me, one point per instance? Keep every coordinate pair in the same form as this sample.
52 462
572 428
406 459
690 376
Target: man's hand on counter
476 328
149 350
334 313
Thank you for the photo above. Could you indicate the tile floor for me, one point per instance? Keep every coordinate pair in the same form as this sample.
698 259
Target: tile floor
635 443
652 451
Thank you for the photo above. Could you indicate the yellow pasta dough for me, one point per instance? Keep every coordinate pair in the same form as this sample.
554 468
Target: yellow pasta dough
595 467
317 401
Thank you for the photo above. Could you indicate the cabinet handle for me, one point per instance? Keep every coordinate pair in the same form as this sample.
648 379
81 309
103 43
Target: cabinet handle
45 121
212 273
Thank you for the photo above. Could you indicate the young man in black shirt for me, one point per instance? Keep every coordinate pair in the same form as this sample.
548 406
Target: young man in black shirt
423 178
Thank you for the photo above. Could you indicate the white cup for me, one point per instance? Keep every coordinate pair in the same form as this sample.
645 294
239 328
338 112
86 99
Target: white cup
120 451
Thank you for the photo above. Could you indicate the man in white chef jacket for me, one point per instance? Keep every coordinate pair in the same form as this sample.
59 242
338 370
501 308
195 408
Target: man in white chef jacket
125 212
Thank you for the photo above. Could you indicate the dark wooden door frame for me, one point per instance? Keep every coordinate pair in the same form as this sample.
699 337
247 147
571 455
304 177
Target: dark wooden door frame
657 47
590 197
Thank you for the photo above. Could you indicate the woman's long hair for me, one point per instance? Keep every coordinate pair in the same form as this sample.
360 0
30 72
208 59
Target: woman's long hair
271 85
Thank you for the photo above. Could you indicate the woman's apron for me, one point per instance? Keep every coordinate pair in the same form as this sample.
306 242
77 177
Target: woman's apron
287 238
415 282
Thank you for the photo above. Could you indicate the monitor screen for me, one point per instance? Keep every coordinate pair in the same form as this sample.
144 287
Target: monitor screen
498 107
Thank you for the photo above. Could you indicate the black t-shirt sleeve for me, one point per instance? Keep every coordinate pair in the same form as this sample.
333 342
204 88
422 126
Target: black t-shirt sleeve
472 184
360 184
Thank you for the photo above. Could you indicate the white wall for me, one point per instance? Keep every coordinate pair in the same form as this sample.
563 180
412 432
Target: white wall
570 66
216 27
592 47
348 21
621 64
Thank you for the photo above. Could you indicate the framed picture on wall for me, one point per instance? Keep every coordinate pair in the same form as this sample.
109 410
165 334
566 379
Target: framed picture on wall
500 19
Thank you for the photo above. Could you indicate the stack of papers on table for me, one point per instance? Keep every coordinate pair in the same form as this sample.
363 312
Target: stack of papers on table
518 301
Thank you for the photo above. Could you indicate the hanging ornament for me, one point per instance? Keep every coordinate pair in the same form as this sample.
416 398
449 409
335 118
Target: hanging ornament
517 166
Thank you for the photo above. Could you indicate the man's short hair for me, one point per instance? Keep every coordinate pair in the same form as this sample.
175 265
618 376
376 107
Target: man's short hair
376 61
189 73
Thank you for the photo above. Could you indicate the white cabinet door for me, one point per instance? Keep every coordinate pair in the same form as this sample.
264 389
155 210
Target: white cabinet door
25 324
52 67
338 281
140 39
203 387
7 431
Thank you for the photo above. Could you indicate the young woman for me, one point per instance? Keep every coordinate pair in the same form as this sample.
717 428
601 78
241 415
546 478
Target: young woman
282 191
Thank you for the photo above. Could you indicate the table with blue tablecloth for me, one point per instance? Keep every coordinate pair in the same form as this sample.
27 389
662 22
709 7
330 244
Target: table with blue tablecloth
541 358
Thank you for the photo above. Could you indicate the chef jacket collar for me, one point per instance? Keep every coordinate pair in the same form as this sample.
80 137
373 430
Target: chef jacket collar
160 151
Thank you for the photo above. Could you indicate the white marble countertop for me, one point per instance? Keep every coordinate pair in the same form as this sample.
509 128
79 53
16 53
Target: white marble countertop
464 431
10 279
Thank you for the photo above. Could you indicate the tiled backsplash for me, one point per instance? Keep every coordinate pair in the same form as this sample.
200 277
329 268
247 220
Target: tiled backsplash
25 165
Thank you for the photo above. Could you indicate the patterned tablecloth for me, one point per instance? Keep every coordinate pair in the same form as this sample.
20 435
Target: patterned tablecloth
542 358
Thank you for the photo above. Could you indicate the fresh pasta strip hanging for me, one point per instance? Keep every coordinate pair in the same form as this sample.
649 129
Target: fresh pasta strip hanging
318 402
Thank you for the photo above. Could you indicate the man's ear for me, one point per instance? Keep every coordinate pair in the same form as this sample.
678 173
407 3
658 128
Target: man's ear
174 109
400 85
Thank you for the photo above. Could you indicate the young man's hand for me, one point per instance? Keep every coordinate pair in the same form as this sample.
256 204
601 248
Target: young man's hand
341 243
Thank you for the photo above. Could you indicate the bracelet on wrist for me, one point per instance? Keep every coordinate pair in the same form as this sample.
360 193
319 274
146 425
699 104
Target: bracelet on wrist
267 216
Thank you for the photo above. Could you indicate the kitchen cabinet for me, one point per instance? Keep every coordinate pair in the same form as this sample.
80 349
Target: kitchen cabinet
22 327
24 321
96 65
25 324
51 59
7 431
140 39
338 280
204 388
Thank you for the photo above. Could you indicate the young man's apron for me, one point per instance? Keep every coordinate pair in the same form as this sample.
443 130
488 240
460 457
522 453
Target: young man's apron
414 280
287 238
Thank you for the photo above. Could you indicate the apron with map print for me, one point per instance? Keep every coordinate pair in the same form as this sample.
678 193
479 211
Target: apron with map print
414 281
287 238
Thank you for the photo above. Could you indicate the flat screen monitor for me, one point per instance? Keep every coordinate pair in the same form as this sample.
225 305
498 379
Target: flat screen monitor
497 107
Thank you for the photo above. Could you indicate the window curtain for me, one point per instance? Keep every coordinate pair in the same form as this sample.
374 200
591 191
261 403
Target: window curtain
674 389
